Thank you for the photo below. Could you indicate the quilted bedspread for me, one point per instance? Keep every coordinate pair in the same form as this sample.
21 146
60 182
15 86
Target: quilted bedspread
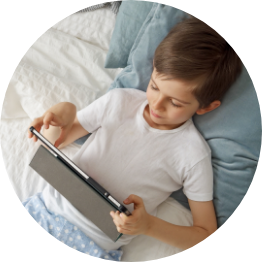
65 64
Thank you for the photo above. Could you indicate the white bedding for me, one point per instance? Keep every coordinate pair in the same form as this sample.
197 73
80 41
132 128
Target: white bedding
67 64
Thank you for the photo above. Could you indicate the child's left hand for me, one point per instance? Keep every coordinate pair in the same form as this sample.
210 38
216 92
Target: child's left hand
136 224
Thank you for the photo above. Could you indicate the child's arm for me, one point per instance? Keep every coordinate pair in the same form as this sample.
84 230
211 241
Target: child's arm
140 222
53 133
61 126
204 224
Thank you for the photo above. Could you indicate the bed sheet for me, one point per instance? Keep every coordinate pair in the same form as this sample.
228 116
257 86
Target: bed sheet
67 64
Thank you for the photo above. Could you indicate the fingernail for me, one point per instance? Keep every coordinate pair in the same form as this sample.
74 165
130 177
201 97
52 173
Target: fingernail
45 126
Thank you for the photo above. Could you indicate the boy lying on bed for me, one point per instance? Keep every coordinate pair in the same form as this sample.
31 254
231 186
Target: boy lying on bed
144 146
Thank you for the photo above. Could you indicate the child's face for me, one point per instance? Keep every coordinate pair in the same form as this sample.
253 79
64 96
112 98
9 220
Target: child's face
171 102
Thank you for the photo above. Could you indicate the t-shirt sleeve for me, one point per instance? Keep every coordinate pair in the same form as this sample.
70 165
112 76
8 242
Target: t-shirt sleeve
198 182
92 116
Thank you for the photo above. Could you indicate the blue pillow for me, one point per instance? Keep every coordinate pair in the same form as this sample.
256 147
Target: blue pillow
233 131
130 17
156 26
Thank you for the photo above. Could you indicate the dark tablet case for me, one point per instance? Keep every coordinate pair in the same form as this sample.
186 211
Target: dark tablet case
82 196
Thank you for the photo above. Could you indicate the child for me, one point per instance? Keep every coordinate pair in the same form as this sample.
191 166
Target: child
144 146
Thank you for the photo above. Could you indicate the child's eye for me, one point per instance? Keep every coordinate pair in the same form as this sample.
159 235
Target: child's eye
174 104
152 87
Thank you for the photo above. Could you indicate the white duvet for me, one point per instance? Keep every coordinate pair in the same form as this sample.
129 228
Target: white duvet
67 64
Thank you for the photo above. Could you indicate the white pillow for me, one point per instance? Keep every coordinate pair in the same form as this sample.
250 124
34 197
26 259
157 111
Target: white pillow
143 248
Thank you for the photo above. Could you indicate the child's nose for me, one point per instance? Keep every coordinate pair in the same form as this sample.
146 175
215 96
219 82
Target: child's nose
158 103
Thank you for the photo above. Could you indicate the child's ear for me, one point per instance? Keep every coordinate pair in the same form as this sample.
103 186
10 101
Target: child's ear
215 104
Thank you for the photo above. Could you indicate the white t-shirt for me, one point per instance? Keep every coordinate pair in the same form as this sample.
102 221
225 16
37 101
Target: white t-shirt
127 156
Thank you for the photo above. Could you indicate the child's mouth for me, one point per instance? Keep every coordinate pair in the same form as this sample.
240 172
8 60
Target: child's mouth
155 115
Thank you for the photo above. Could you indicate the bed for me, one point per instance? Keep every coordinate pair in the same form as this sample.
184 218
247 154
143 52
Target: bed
74 61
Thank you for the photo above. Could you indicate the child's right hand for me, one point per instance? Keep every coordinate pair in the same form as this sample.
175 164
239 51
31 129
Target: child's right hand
61 115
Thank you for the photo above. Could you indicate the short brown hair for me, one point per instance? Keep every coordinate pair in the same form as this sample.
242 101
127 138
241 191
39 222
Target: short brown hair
192 50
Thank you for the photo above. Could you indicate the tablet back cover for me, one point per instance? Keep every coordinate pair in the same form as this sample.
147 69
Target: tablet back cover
82 196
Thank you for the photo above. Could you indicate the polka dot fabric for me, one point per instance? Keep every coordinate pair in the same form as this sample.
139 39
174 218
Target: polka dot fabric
66 232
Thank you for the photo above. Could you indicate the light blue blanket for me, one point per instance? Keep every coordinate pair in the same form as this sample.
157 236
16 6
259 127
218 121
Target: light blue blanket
66 232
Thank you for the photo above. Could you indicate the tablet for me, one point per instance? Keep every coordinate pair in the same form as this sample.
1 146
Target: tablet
86 178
